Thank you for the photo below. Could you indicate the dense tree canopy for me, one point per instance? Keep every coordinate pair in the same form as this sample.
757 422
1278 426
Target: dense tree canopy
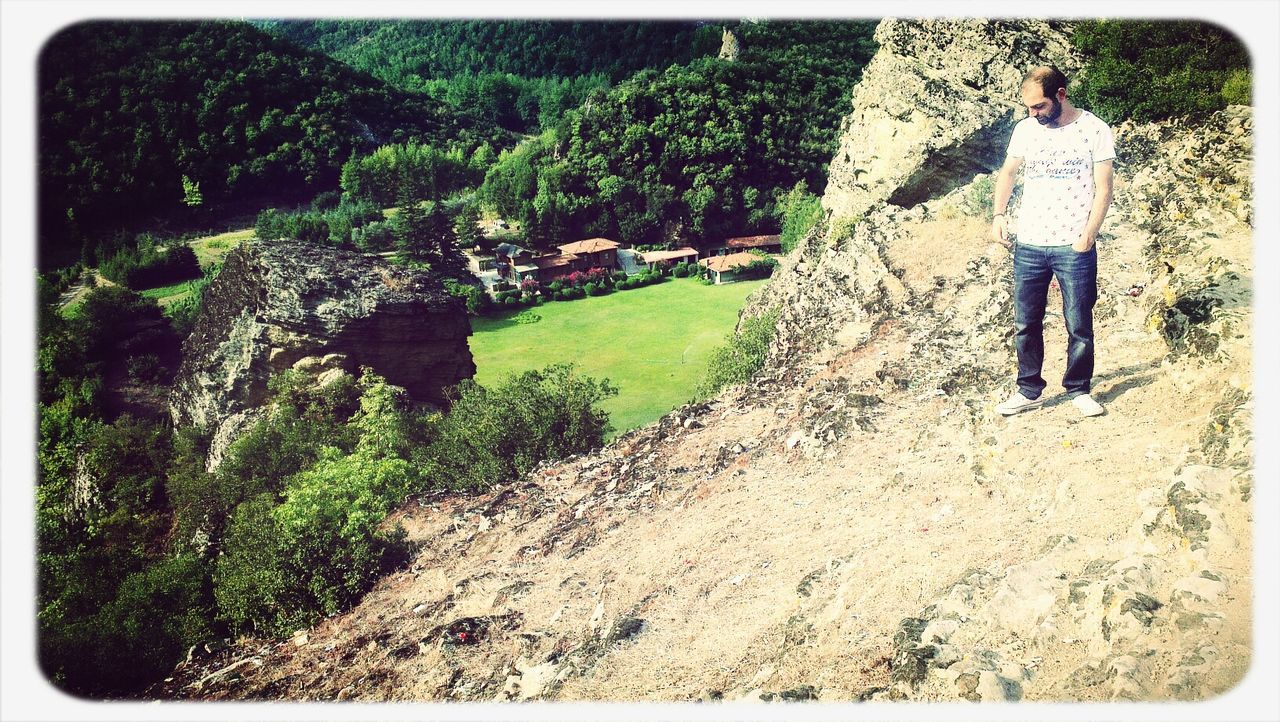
521 75
1150 70
695 151
148 118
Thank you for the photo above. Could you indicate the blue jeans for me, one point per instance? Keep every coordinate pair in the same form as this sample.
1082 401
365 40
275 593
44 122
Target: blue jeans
1077 275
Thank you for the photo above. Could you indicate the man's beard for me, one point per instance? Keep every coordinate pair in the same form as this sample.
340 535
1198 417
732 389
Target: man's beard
1050 118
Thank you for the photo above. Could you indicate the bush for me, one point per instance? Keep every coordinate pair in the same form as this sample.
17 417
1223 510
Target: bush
798 211
491 436
1155 69
285 566
132 640
1238 88
151 267
591 288
741 356
374 237
145 368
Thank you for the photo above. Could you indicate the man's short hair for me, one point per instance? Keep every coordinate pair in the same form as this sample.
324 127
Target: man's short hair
1048 77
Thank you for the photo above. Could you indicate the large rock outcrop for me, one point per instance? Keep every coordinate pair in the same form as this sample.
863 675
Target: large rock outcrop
933 111
284 304
935 107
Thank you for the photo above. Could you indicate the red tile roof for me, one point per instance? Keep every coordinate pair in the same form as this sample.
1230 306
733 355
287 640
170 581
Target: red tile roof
591 245
654 256
562 259
729 262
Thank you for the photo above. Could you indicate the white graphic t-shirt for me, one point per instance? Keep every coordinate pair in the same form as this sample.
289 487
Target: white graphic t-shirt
1057 177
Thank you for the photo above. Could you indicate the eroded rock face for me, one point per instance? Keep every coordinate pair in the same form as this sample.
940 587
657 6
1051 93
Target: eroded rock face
275 304
935 107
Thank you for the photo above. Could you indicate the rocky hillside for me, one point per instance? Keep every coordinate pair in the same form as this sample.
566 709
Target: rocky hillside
858 523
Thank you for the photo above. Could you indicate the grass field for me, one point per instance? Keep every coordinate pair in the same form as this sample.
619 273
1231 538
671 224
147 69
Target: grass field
651 342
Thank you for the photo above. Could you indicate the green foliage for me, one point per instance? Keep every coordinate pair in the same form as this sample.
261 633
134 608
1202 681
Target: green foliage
741 357
191 195
151 266
302 420
799 212
1155 69
338 225
1238 88
135 637
516 74
495 435
129 108
393 174
318 550
111 325
704 146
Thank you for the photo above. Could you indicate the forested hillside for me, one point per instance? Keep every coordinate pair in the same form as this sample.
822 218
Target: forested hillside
693 151
143 119
519 74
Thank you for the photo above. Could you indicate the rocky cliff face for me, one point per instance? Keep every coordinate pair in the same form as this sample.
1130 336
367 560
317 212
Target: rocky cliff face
284 304
858 523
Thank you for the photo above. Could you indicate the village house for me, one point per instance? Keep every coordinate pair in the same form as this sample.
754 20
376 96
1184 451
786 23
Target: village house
515 264
725 269
663 259
594 252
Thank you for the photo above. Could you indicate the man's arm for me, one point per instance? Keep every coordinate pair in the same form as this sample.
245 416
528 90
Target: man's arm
1103 178
1000 201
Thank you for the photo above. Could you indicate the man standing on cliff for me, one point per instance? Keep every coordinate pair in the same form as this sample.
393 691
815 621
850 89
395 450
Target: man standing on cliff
1066 190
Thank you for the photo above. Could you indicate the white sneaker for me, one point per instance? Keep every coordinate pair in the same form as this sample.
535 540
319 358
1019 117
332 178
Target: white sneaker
1016 403
1087 406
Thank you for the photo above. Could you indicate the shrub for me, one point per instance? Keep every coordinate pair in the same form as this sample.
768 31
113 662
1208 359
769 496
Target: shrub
145 368
135 637
740 357
285 566
798 211
150 267
511 301
1238 88
591 288
1150 70
491 436
375 236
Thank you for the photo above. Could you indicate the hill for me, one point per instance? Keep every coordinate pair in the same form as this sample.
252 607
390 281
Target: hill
142 119
858 523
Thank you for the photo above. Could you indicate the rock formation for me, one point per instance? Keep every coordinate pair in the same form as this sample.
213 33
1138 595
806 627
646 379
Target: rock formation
284 304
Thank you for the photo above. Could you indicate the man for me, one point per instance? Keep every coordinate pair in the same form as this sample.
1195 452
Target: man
1066 190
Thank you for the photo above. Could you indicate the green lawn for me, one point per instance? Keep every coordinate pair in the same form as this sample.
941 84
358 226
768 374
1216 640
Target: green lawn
165 295
651 342
212 249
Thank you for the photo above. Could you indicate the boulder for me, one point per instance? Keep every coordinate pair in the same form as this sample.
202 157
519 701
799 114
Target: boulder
284 304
